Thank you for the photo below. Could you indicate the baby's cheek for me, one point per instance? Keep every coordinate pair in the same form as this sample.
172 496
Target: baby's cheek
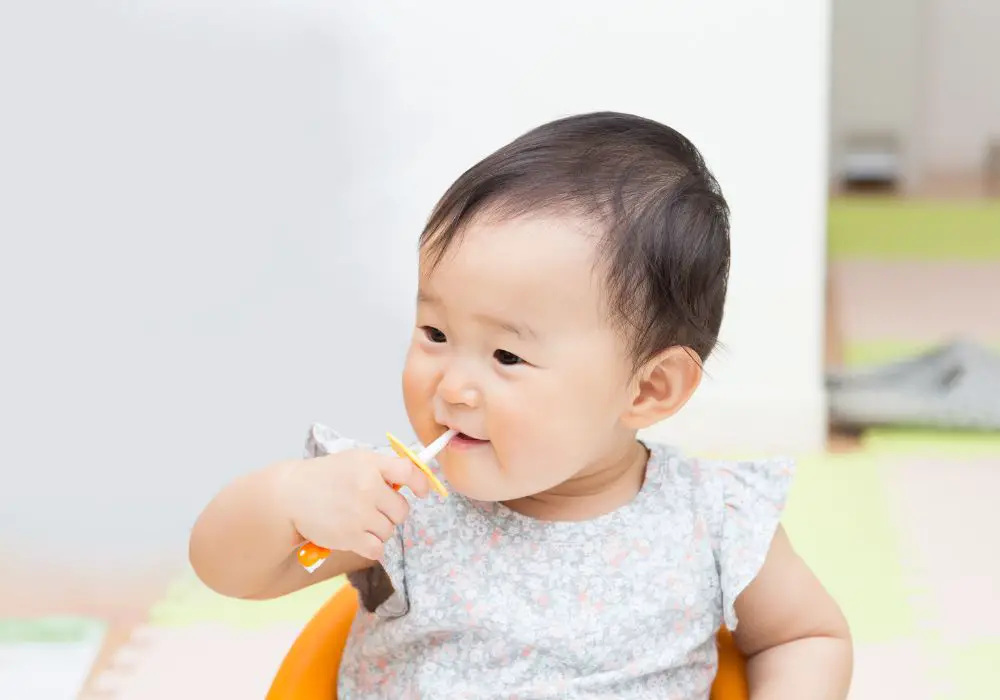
410 384
418 390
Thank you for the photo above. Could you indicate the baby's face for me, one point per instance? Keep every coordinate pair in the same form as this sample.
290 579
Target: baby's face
513 347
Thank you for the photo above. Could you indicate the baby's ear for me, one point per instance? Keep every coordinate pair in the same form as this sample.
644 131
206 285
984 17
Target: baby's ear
662 387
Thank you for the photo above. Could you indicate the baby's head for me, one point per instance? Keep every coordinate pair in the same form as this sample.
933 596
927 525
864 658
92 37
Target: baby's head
571 284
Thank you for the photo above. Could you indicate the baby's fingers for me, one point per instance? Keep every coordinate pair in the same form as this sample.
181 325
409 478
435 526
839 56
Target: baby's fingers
402 472
418 482
394 506
381 526
369 546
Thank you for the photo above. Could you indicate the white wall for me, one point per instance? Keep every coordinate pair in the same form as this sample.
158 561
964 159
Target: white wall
878 74
962 94
211 213
923 69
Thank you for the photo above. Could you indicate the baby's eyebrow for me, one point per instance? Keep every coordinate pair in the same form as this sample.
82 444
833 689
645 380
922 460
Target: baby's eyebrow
521 330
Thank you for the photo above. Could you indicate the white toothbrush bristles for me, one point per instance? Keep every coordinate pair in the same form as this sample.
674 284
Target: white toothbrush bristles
431 451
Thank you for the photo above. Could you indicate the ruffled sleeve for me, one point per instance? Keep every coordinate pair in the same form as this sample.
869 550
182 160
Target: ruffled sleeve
750 499
381 588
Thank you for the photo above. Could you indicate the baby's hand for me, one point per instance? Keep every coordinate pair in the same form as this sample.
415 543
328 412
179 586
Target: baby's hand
346 501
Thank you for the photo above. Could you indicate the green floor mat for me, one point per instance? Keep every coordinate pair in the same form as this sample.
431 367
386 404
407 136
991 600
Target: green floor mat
188 601
838 521
901 229
50 630
859 354
47 657
972 671
951 442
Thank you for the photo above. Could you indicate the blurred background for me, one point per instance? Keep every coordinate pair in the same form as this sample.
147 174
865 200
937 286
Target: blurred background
209 214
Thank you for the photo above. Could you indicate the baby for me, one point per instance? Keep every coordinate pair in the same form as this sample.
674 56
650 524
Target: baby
570 287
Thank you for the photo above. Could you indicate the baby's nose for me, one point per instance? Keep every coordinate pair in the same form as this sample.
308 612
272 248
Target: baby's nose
457 388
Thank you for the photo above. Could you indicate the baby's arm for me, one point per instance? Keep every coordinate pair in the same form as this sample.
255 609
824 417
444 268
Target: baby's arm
792 632
245 542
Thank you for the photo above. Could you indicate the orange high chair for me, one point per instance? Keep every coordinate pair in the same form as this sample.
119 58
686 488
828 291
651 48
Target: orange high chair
309 671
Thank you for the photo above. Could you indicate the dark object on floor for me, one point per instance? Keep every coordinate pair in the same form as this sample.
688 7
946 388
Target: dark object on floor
991 167
956 386
870 162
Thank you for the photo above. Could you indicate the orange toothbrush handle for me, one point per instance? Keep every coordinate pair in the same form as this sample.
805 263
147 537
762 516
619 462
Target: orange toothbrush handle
312 555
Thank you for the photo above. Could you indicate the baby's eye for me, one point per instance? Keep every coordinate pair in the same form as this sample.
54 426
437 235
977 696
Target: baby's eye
434 335
507 358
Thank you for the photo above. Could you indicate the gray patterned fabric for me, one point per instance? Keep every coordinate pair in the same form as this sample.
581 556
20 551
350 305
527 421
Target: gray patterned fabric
483 602
956 386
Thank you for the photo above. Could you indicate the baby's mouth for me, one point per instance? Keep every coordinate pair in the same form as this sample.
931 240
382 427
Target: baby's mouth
465 441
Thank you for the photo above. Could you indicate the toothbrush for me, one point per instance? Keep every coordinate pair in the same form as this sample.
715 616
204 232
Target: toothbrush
311 556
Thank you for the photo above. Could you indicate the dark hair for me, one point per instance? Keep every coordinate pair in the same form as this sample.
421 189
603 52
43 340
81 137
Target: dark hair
665 238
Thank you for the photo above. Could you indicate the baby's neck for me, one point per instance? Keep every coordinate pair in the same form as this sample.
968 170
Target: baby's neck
595 491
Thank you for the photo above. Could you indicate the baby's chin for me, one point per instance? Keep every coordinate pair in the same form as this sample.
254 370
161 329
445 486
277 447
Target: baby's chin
476 478
483 482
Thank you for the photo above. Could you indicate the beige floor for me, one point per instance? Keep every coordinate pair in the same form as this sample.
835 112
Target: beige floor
123 601
919 300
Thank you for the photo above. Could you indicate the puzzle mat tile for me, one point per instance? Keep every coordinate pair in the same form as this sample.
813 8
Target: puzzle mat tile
944 504
188 602
915 301
867 353
48 657
898 670
894 229
838 521
946 444
200 660
949 522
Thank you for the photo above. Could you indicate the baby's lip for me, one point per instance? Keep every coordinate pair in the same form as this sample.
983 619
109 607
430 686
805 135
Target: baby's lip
466 436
